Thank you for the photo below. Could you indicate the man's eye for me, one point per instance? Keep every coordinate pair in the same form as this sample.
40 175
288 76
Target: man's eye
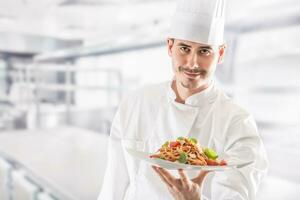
205 52
184 49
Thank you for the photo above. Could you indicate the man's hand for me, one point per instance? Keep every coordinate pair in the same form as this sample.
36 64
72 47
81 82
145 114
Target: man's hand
182 188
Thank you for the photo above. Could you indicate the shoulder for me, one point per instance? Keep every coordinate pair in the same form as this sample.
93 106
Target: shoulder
238 121
231 108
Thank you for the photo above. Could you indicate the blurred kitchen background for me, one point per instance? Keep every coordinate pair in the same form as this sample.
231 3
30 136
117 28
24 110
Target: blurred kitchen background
65 65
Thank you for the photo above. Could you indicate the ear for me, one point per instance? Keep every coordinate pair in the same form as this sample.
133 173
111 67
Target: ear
170 43
221 53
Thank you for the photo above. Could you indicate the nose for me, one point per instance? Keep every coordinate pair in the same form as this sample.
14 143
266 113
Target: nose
193 61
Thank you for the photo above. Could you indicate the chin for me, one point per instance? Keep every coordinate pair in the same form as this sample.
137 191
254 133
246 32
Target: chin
190 85
193 84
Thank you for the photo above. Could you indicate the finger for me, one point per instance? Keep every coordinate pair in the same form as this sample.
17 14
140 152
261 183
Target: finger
199 179
162 177
184 179
167 175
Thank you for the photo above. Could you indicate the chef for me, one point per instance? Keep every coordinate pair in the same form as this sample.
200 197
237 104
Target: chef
189 105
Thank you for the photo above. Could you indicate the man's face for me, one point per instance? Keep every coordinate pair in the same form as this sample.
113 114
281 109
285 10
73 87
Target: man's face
193 63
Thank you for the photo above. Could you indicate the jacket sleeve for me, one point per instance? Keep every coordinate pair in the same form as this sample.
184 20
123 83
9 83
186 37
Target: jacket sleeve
242 144
116 178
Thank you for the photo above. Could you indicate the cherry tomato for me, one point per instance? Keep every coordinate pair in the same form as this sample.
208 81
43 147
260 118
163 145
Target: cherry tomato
223 162
212 162
174 144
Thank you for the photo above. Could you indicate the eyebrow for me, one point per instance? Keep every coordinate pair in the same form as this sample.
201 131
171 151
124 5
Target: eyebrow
204 46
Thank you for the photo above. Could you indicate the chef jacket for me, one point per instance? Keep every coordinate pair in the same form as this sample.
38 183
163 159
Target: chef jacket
150 116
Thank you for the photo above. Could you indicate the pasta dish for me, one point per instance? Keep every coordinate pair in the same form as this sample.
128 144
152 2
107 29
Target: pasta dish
188 151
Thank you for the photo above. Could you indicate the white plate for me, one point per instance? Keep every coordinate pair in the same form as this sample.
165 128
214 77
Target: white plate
173 165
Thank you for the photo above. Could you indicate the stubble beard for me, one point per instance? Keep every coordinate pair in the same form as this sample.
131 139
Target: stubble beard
189 83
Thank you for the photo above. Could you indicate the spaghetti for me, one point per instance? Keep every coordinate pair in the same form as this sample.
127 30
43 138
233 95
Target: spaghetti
187 151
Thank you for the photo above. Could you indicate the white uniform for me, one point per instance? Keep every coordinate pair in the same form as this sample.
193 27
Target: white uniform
150 116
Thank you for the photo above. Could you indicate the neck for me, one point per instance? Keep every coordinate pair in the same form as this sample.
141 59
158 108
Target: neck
183 93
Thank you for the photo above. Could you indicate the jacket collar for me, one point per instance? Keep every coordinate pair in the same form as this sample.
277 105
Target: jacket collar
207 96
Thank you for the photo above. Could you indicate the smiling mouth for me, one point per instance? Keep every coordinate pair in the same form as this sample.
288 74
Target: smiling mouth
191 75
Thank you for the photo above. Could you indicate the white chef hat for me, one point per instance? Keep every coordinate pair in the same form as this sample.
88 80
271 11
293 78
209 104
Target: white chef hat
199 21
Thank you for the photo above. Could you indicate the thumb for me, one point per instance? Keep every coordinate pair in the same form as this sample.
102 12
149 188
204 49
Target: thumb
199 179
